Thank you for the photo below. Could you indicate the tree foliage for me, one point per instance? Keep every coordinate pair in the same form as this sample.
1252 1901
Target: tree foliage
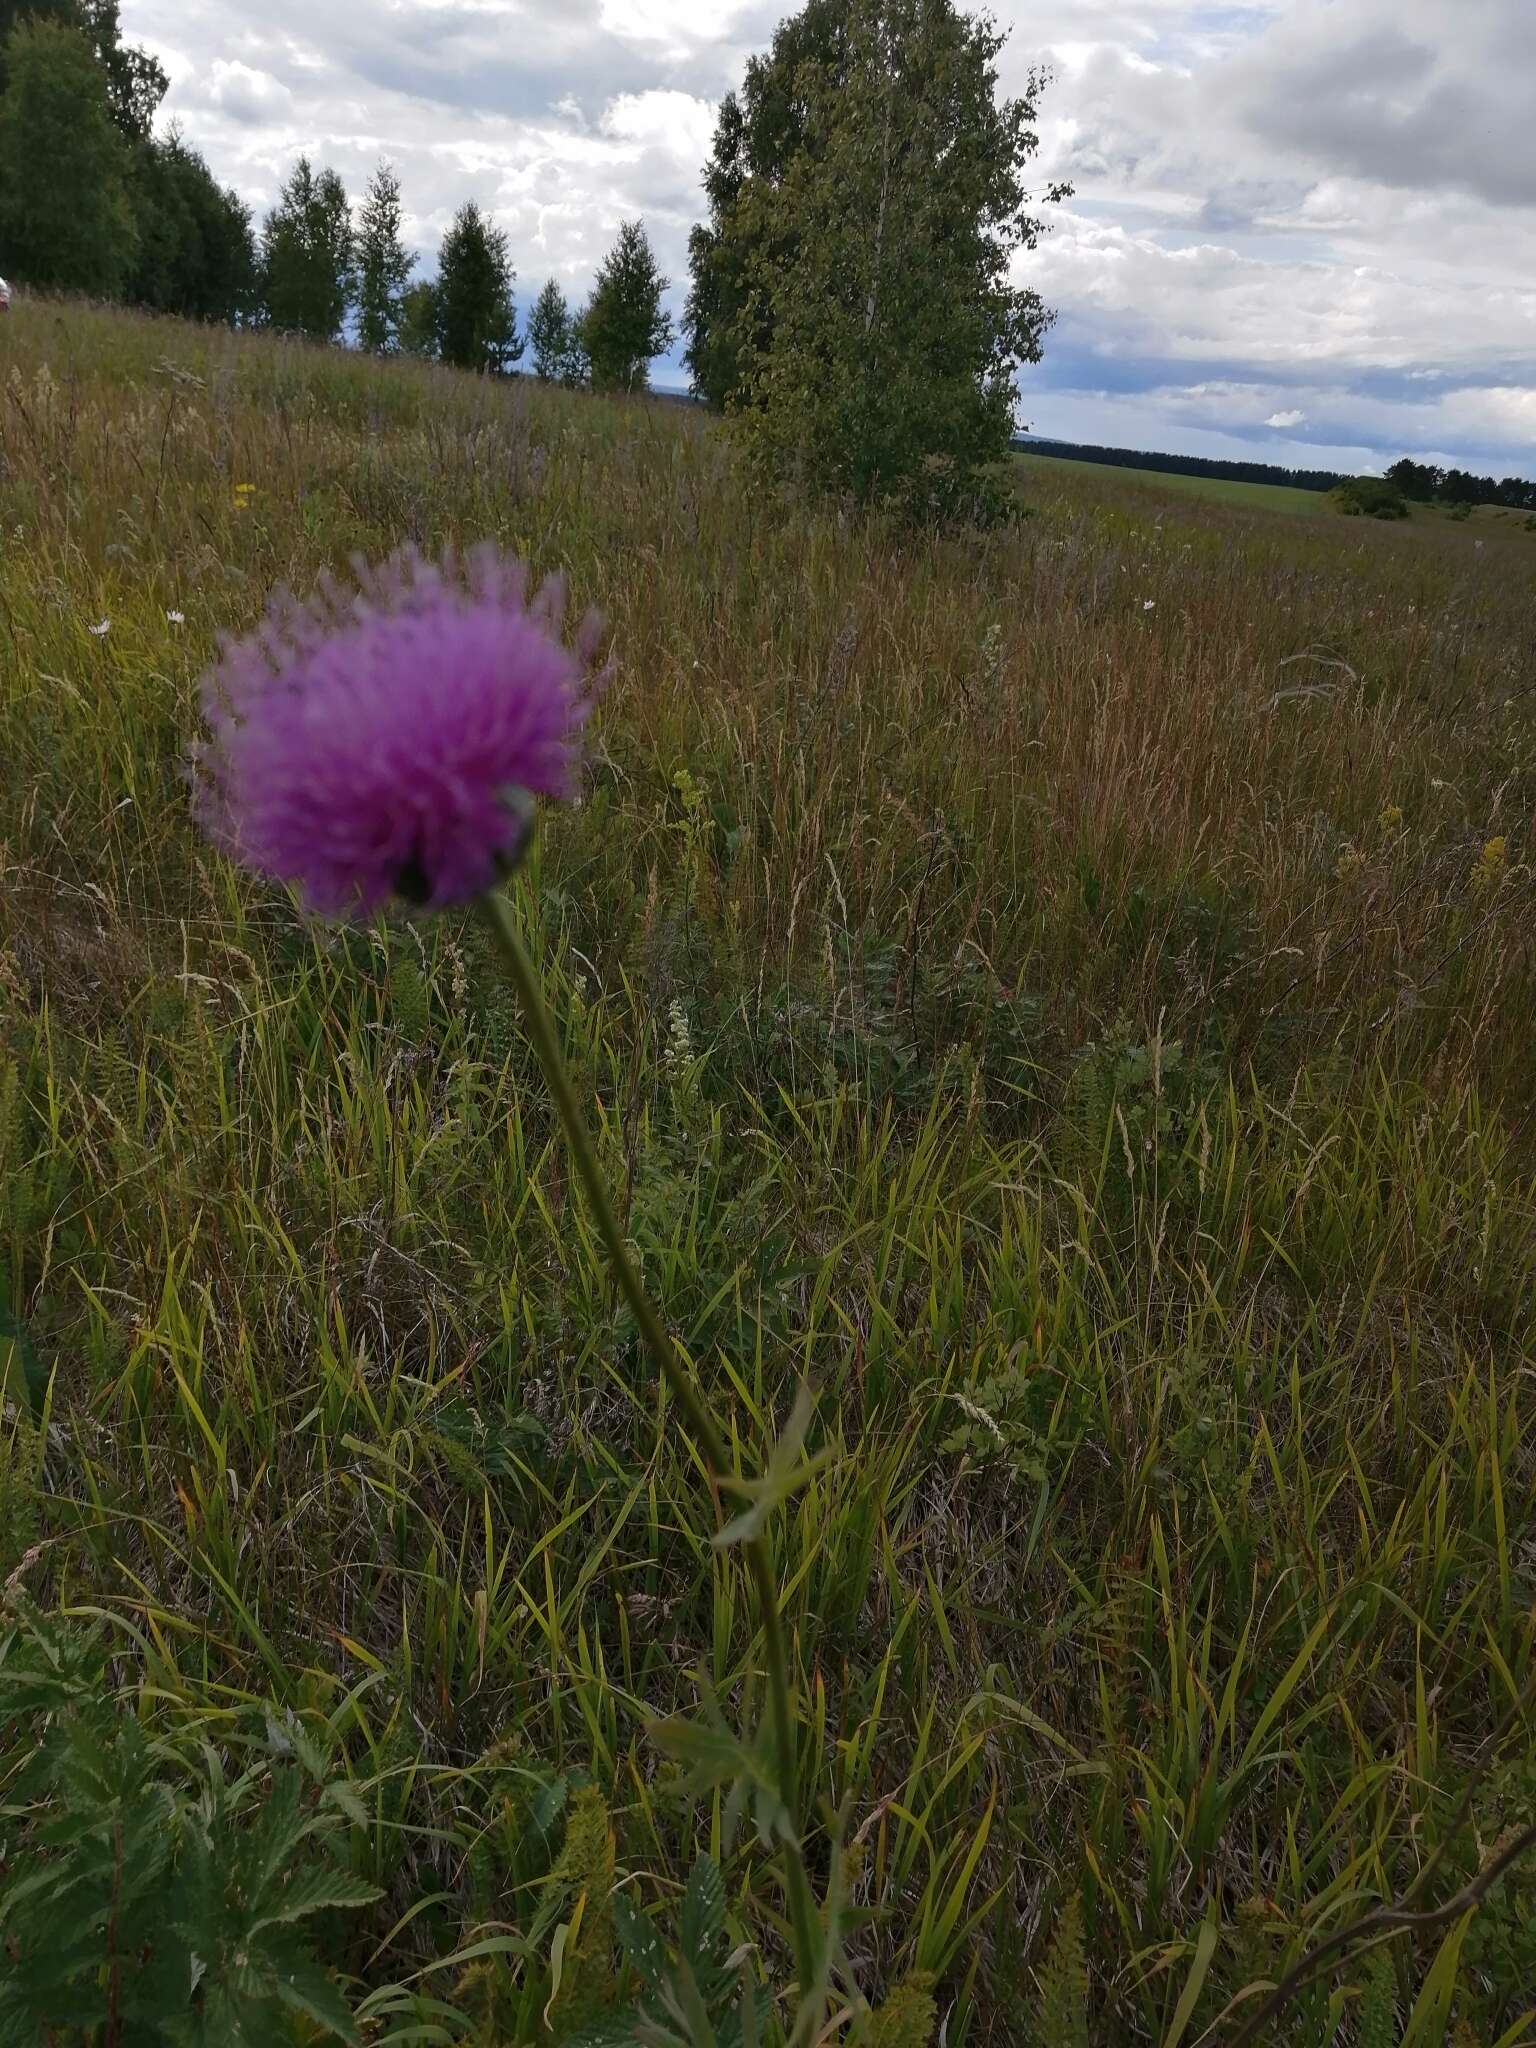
65 219
418 319
625 325
554 337
136 81
1425 483
1416 480
475 318
383 265
308 255
90 199
852 296
1374 496
196 255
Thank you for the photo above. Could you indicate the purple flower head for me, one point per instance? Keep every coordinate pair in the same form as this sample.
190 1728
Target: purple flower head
388 737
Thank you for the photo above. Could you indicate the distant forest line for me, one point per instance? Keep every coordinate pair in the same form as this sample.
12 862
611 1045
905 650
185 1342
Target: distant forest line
1419 481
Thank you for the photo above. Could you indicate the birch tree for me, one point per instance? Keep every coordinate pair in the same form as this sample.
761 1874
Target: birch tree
855 296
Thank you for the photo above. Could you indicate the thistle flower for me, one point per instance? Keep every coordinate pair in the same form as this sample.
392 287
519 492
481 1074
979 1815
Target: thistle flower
389 736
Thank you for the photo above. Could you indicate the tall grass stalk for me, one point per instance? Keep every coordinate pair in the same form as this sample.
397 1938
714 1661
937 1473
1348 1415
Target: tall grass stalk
674 1369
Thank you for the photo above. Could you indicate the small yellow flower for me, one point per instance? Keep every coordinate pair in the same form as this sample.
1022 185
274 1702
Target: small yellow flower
243 495
1492 864
1351 861
1391 819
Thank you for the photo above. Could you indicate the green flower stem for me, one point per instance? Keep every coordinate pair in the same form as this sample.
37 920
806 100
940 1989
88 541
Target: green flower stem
546 1044
675 1371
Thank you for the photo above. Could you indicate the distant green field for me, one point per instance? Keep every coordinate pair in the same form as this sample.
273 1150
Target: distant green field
1268 497
1264 497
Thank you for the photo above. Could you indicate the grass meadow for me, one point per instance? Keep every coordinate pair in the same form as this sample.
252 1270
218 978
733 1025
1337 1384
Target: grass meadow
1220 490
1066 992
1260 497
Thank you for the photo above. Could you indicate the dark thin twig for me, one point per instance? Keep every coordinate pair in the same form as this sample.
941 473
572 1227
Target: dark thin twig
1385 1920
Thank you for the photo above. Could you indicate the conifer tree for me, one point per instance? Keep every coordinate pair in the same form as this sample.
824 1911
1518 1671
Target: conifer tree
476 322
550 333
625 325
383 265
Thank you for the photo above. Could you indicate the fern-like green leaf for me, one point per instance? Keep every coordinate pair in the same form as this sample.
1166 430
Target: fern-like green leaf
1376 2015
703 1923
1061 2015
147 1891
640 1942
302 1985
312 1891
617 2030
907 2017
584 1877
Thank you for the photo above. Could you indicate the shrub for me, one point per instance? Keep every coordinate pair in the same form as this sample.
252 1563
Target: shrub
1372 496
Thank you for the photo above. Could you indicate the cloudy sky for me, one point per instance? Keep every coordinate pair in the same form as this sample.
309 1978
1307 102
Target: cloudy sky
1303 229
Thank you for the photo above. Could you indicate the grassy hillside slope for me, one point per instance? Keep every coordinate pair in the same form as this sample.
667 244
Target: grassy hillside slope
1066 992
1223 490
1259 497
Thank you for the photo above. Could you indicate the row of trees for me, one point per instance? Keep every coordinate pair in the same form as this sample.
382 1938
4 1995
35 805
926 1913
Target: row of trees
318 268
854 303
91 200
1423 484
